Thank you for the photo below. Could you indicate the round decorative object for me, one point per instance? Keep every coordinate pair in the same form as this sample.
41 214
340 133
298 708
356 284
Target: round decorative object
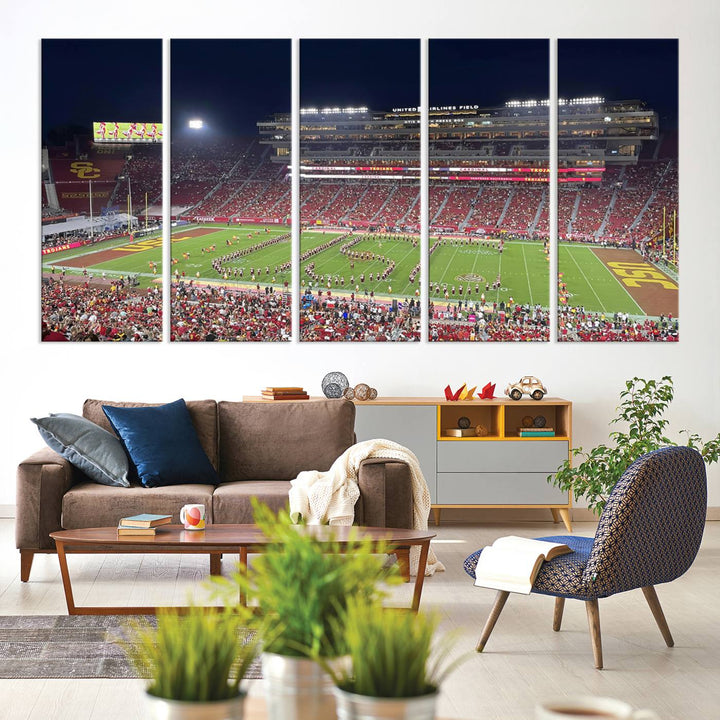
333 390
464 422
527 421
349 393
362 391
334 378
373 394
481 430
539 421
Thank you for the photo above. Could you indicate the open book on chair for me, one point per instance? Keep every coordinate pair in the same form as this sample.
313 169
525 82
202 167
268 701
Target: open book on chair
512 563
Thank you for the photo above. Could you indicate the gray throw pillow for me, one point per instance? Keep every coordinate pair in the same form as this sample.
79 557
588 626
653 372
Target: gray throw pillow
98 453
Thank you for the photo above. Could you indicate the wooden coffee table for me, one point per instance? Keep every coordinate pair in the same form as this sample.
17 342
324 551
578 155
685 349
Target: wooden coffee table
214 541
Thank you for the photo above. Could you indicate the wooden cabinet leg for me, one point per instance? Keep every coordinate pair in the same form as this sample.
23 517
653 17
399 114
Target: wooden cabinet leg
565 515
500 600
556 515
216 563
436 514
593 615
654 603
26 561
557 615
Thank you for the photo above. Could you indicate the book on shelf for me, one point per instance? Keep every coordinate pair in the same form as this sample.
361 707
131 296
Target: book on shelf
129 530
292 390
540 432
460 432
285 396
512 563
145 520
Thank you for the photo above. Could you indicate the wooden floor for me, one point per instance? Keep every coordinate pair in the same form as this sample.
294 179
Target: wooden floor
524 659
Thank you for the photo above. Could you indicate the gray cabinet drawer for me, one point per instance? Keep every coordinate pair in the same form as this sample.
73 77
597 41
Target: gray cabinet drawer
509 456
512 488
414 426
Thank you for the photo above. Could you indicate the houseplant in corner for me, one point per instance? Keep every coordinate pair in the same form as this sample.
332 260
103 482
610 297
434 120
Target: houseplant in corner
195 661
395 669
642 406
302 586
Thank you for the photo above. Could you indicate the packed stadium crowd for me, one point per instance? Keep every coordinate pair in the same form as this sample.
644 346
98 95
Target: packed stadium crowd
81 311
202 313
575 324
328 318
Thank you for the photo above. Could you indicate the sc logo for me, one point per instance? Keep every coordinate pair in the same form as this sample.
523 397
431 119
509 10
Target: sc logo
85 170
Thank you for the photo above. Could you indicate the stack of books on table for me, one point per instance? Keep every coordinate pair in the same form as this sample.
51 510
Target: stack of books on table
284 393
143 524
536 432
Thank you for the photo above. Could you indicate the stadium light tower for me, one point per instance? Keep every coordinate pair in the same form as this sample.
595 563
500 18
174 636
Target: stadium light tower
129 200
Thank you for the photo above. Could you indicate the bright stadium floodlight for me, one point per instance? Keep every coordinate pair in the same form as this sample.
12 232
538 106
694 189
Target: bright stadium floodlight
196 124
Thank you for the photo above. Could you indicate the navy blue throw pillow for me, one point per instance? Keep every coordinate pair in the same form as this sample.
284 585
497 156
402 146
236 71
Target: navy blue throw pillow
162 443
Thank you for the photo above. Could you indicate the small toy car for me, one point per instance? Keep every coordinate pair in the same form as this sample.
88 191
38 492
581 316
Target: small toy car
526 385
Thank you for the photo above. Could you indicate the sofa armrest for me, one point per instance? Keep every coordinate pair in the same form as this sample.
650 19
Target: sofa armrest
42 480
386 493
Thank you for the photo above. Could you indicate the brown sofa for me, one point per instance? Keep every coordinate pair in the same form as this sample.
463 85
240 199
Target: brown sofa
256 448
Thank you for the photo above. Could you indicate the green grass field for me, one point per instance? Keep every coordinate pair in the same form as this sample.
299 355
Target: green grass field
522 266
591 284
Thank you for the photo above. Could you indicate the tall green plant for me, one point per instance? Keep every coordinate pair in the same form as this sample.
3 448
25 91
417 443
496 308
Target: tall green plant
302 584
642 407
200 655
392 653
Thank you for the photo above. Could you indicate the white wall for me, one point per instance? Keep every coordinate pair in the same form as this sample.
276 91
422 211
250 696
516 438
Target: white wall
37 379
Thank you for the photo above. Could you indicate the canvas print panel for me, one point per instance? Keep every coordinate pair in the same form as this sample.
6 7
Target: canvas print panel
360 190
101 233
489 190
618 231
230 190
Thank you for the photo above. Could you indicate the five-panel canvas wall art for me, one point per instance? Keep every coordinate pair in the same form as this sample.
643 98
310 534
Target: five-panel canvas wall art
541 219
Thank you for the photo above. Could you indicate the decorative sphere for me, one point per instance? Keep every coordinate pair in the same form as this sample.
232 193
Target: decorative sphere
481 430
527 421
539 421
333 390
362 391
464 423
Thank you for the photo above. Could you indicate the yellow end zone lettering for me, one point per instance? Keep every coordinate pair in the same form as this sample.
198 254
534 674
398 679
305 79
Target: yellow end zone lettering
633 274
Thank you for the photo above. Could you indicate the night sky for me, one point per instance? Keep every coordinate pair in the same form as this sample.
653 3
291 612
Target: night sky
622 70
86 81
378 74
487 72
231 84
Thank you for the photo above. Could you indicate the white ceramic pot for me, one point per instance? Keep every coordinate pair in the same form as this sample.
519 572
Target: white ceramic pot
162 709
296 688
363 707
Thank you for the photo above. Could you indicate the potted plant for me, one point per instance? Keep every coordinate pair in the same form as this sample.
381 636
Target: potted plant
642 406
195 660
301 586
394 669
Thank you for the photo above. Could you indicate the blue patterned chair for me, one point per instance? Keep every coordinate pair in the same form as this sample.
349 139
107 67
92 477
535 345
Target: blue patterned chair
649 533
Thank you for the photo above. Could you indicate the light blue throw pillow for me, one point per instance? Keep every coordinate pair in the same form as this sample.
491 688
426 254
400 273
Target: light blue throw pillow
98 453
162 442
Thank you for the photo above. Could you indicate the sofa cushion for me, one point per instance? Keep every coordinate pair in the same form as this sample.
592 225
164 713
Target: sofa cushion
278 440
162 443
232 502
98 453
90 505
202 412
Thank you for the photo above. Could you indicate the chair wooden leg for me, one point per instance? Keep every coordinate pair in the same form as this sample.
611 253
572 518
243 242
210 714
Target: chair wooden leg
557 615
654 603
593 615
26 561
500 600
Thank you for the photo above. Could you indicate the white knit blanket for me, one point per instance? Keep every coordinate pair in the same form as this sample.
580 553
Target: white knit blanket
329 497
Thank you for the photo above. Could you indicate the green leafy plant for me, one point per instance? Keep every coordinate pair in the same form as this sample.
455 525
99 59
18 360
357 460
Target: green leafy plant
302 584
392 653
642 407
197 655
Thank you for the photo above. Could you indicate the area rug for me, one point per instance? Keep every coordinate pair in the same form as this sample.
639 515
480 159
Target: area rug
68 646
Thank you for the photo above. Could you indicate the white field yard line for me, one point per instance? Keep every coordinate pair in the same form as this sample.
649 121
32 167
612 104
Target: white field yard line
449 264
627 292
527 275
589 284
